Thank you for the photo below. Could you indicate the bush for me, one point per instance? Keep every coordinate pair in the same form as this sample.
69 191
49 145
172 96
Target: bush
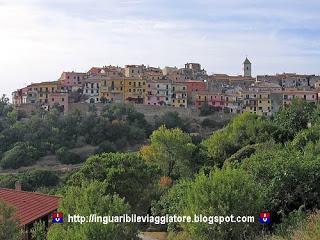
171 120
106 147
210 123
31 180
67 157
206 110
22 154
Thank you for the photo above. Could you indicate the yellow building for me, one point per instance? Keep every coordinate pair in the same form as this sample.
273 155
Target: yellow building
249 101
134 90
43 89
112 90
179 95
264 104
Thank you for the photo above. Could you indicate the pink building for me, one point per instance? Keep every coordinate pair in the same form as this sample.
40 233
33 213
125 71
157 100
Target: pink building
158 92
71 81
216 100
211 98
59 99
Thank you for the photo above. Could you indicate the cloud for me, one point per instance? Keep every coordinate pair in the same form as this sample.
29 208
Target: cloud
40 39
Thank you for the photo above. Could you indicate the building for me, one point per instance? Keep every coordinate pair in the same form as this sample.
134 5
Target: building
159 92
249 101
20 96
265 86
134 90
213 99
179 95
194 86
59 99
290 94
30 207
91 89
223 82
274 79
94 71
134 71
112 71
112 90
233 102
292 80
247 68
169 70
39 92
289 80
264 104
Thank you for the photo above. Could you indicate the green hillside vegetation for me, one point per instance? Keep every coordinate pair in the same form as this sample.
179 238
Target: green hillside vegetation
253 164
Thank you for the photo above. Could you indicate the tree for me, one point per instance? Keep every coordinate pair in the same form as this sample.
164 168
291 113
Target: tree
172 120
126 174
171 150
4 106
294 118
245 129
39 231
305 229
206 110
9 227
22 154
31 180
222 193
67 157
86 199
290 178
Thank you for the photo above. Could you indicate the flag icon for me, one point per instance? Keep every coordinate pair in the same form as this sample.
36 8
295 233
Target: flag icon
265 217
57 217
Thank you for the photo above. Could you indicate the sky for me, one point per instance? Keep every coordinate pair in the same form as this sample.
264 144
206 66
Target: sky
39 39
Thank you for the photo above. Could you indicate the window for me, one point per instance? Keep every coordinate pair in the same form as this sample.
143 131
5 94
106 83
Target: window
62 99
52 99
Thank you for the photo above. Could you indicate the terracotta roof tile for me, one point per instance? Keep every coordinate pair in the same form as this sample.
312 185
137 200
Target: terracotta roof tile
29 206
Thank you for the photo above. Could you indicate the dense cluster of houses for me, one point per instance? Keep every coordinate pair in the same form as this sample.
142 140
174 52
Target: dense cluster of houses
190 86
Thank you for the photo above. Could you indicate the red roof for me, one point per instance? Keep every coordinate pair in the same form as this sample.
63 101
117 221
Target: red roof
95 70
29 206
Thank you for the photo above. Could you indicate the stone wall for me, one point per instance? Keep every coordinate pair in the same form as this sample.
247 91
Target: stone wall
148 110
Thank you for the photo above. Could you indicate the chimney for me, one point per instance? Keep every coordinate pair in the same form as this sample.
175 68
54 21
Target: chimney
17 186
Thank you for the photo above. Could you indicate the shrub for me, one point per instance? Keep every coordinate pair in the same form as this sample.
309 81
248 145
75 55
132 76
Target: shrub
67 157
22 154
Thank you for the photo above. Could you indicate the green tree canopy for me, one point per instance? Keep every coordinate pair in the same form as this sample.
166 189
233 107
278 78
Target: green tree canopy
126 174
245 129
294 118
92 198
9 227
222 193
171 150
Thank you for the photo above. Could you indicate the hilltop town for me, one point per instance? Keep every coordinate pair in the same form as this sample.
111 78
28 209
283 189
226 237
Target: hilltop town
188 87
